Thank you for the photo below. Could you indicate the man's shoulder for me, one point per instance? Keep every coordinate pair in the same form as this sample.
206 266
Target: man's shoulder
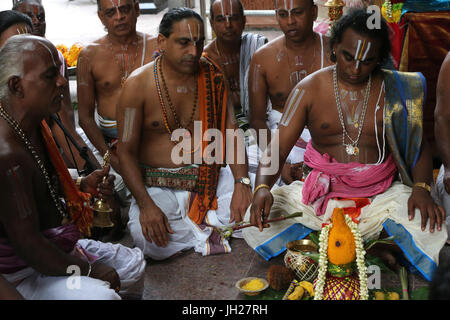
270 49
91 48
317 80
139 78
13 152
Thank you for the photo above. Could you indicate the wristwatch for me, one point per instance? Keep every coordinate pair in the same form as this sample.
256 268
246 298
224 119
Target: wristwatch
244 180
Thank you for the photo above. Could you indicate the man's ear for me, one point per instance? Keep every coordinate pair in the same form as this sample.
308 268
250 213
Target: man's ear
136 7
15 86
100 16
162 42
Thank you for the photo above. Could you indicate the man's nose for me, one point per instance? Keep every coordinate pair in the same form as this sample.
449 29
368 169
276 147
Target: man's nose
227 22
290 19
119 14
192 48
356 68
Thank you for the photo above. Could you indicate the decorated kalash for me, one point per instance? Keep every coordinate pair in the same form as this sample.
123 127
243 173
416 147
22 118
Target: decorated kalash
331 265
342 270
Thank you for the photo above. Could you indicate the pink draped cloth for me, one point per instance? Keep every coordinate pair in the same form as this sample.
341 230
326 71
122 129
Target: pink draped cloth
64 237
331 179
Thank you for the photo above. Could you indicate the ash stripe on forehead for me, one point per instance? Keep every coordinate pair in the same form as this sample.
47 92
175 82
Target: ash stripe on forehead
196 31
115 5
51 53
226 15
359 55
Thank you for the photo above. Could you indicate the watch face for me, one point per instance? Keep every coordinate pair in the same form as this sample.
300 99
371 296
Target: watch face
246 180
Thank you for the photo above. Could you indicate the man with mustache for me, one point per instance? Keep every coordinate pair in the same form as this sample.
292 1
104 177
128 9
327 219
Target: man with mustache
178 203
102 69
275 70
45 217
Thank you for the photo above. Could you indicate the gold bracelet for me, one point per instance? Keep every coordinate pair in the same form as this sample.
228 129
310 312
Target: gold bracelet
262 185
422 185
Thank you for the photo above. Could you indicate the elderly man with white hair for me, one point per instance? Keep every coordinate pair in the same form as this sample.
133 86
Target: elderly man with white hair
44 212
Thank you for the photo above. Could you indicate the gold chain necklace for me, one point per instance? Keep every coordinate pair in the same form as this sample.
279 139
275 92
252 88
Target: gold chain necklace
13 123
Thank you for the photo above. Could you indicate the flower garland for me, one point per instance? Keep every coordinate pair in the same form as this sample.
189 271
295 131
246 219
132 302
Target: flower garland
360 261
323 260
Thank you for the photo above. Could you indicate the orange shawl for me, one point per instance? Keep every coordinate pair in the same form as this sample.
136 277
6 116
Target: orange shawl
212 95
77 202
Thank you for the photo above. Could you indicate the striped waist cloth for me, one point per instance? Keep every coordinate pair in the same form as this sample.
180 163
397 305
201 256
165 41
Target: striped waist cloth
184 178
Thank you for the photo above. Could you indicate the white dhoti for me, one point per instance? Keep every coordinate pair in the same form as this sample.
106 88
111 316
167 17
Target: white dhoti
128 263
254 153
187 234
442 197
388 210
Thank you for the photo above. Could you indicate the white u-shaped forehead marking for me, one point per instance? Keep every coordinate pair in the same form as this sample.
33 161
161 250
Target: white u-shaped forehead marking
359 55
226 16
193 32
115 5
51 53
367 51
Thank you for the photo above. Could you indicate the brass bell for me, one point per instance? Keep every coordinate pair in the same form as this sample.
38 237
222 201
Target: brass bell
102 210
102 217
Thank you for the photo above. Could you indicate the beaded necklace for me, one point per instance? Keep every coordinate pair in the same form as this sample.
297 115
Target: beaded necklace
157 70
13 123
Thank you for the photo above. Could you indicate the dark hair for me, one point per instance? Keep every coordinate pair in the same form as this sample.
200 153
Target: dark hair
440 284
356 19
211 13
10 17
176 15
16 3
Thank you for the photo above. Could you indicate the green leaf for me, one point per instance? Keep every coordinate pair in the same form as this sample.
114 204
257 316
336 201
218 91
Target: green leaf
314 237
372 260
369 244
420 294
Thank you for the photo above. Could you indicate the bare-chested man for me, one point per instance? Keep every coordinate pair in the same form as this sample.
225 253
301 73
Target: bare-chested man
277 67
103 66
357 152
40 235
176 203
35 10
232 52
442 130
